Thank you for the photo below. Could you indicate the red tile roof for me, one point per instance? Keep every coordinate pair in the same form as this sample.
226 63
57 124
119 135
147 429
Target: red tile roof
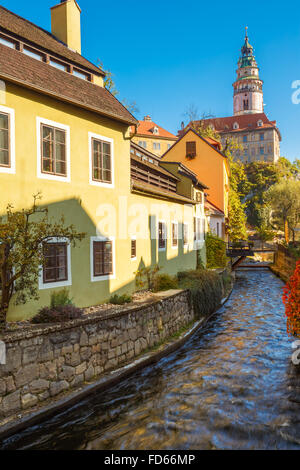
19 68
145 128
246 122
24 29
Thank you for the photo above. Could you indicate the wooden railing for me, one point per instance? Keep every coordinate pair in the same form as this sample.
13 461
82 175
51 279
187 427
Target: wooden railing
153 178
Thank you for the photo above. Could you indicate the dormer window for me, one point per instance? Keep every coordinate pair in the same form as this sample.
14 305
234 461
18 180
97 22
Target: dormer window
33 53
236 126
155 130
259 123
59 65
7 42
80 74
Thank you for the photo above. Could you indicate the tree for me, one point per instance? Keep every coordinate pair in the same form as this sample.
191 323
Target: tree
110 85
22 237
284 201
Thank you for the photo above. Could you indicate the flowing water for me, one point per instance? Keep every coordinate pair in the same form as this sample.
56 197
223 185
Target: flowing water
231 386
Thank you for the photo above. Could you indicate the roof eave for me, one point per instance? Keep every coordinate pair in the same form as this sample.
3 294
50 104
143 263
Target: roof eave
65 99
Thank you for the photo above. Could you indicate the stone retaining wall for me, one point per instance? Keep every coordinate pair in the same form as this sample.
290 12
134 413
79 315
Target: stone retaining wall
43 362
284 264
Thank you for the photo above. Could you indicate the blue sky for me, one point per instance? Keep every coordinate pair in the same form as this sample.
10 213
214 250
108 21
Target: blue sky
167 55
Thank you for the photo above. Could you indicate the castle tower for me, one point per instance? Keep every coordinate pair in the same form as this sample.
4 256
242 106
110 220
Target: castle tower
248 94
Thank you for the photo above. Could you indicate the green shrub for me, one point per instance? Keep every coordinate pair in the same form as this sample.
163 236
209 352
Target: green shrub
215 252
164 282
206 288
144 277
60 298
120 299
61 313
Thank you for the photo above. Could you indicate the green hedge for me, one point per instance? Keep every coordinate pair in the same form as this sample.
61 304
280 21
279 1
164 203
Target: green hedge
207 289
215 252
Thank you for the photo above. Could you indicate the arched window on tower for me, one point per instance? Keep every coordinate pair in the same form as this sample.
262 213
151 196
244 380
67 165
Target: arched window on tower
246 104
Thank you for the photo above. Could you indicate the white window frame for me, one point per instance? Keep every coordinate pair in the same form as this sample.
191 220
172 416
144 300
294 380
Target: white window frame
186 224
109 276
54 285
166 235
174 247
111 142
12 144
63 127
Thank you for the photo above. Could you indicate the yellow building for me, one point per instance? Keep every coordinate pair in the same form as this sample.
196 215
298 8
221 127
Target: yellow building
152 137
62 133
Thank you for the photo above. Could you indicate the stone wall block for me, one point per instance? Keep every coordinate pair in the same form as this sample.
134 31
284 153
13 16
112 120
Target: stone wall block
58 387
39 385
28 401
26 375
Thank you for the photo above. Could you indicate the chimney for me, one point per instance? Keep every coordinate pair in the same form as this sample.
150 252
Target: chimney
65 23
147 118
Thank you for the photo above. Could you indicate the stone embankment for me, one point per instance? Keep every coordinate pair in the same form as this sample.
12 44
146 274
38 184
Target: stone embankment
45 361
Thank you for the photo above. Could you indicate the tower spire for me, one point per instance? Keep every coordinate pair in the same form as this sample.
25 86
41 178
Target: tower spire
248 94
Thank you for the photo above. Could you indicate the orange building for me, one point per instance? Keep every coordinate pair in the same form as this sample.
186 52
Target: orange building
205 159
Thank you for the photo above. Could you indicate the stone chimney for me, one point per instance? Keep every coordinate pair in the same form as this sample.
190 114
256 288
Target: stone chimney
65 23
148 118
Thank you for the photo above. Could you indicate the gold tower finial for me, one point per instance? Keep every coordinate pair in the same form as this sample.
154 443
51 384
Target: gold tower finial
246 28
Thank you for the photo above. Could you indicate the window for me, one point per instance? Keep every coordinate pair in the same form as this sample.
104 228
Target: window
4 140
103 261
143 143
155 130
262 137
102 258
56 262
56 270
185 234
156 146
7 140
197 229
246 104
101 161
7 42
169 146
32 53
259 123
59 65
235 125
199 197
245 138
162 236
218 229
174 234
133 248
80 74
190 149
53 150
262 150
